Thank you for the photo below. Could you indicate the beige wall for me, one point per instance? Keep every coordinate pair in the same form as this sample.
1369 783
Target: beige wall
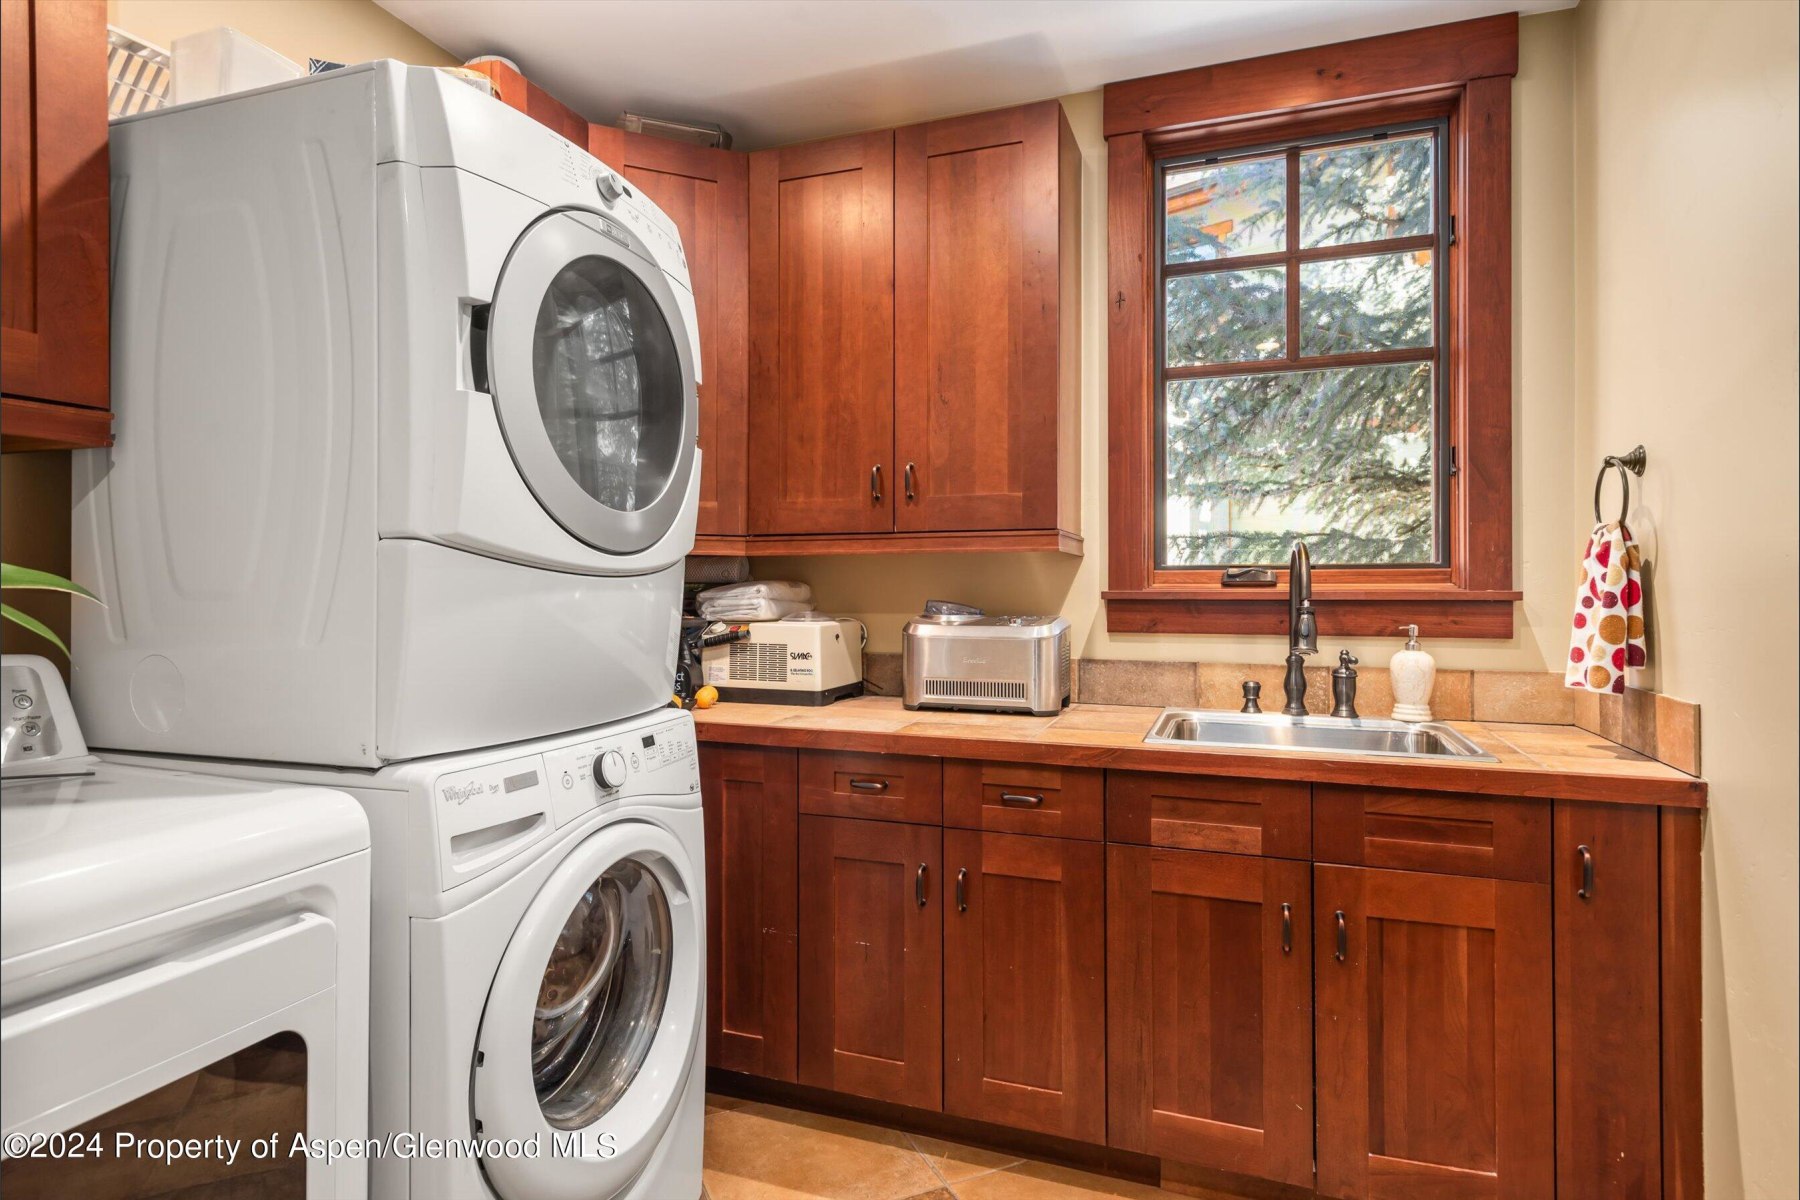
346 31
1686 320
34 488
885 591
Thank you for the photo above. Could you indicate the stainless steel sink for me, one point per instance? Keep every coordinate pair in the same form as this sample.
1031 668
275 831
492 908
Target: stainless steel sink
1371 737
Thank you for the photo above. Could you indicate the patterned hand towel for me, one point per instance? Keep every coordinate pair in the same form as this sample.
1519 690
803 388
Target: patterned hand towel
1608 633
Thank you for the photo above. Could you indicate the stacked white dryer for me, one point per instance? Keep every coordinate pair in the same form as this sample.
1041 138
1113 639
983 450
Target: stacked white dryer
406 471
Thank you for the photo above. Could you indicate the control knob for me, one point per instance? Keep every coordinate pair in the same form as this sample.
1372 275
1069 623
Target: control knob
609 770
609 186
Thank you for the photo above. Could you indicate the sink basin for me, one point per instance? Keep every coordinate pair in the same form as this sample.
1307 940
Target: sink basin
1371 737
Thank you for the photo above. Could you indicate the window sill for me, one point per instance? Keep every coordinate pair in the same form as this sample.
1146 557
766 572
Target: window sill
1365 611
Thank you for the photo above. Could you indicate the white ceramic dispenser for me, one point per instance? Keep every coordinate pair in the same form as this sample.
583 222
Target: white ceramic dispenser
1412 672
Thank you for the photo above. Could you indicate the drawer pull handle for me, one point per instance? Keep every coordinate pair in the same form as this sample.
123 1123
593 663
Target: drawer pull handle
962 889
869 785
919 886
1586 890
1343 937
1287 929
875 483
1021 798
912 493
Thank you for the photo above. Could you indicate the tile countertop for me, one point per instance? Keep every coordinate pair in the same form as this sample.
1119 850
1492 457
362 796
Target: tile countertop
1558 761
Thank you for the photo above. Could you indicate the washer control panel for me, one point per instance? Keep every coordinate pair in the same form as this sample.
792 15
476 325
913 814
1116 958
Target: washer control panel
486 814
41 736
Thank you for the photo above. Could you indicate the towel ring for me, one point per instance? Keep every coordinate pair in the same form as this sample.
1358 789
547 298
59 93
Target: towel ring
1632 463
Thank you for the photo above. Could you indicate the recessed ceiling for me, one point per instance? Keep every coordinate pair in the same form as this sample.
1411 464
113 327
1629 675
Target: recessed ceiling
780 71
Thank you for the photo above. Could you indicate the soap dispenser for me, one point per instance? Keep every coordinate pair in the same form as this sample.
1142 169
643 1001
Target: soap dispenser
1412 672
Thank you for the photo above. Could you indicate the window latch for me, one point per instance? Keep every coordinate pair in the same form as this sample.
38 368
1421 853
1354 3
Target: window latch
1453 466
1248 577
1453 229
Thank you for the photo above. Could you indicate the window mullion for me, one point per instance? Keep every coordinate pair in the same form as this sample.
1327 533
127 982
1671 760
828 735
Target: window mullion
1293 250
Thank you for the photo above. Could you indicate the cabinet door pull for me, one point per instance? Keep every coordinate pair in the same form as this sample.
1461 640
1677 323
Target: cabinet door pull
911 493
1287 929
962 889
875 483
869 785
1586 890
1021 798
919 886
1343 937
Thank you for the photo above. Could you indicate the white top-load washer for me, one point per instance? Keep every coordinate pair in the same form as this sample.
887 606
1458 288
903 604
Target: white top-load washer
155 926
404 387
539 942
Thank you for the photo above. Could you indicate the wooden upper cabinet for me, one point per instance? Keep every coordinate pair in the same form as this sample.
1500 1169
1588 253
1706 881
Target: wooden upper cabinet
54 367
822 337
706 193
986 322
751 909
1025 982
1432 999
1209 1010
871 959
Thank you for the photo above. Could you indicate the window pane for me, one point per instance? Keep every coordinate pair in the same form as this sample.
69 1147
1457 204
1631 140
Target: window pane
1366 191
1226 209
1226 316
1377 302
1342 458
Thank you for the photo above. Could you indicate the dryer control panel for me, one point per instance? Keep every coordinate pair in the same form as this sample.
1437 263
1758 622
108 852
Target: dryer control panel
489 812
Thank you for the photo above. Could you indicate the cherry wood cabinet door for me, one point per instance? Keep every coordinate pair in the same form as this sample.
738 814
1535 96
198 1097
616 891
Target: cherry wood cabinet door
1433 1016
752 895
871 959
1209 1010
54 206
706 193
1608 1016
985 301
822 337
1025 982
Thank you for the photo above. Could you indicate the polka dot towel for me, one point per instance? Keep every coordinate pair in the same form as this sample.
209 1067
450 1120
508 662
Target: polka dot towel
1608 629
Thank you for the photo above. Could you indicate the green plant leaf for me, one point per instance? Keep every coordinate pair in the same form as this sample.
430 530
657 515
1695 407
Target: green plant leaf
13 576
32 623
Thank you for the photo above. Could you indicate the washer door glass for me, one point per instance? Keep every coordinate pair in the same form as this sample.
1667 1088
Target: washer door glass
608 383
592 372
602 996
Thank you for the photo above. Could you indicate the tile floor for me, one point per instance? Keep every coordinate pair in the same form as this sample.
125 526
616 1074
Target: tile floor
762 1152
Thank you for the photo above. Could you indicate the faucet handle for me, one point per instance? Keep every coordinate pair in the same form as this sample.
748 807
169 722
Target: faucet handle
1252 695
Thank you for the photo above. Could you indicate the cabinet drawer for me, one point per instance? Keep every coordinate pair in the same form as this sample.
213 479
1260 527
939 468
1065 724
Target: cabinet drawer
1024 798
1192 812
1432 831
881 787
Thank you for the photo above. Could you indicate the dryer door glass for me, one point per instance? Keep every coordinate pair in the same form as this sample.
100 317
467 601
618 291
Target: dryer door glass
608 383
591 366
602 996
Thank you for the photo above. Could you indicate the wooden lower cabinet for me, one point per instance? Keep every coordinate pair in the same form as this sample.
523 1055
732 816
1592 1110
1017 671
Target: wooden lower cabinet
1025 982
1608 1016
871 959
1432 999
1209 1010
751 910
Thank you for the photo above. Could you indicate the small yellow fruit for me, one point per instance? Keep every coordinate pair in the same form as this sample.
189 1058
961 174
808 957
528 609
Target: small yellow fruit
675 701
706 697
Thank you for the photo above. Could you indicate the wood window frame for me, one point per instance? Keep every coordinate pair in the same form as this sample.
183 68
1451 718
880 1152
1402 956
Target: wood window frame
1459 73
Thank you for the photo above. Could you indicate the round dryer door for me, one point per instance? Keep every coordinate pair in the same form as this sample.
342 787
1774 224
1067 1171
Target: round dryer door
593 1021
592 373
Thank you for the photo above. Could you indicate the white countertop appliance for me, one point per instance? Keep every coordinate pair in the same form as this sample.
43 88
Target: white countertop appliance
955 656
539 951
406 462
169 942
802 659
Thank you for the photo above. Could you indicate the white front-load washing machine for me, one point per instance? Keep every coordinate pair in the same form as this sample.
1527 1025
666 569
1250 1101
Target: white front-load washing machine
404 386
538 971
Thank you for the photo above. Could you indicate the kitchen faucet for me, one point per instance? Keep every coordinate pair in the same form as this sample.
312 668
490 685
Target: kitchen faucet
1303 630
